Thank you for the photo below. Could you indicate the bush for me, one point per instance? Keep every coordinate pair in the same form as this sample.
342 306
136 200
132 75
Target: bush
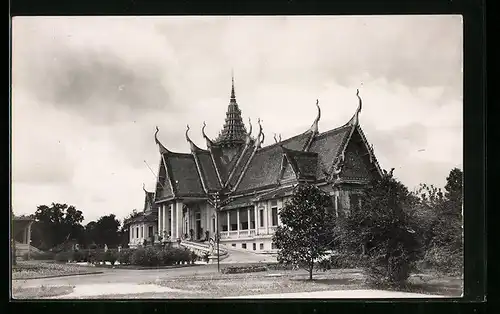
62 257
110 256
444 261
124 256
43 256
144 257
95 256
244 269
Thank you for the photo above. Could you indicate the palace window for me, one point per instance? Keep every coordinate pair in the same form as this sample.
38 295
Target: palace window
261 246
142 231
274 213
213 224
243 219
233 220
243 245
233 245
150 231
223 218
252 218
261 218
254 246
273 246
137 232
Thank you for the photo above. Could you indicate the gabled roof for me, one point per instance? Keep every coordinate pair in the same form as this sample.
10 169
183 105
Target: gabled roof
244 166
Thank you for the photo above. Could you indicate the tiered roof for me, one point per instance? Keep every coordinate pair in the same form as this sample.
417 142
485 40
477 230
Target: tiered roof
237 165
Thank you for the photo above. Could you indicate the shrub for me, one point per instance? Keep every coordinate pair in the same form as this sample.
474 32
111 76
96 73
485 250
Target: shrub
43 256
444 261
95 256
124 256
144 257
244 269
386 229
193 257
62 257
110 256
206 257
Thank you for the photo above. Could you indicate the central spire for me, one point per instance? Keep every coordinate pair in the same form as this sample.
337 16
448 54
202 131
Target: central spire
234 130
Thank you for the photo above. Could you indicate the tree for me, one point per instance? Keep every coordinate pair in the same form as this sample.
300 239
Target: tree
443 223
389 229
56 224
454 189
307 230
105 230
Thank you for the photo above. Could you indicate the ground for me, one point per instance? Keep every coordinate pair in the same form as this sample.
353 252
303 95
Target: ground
203 281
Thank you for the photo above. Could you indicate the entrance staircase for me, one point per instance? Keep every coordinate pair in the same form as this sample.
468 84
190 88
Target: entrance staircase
201 248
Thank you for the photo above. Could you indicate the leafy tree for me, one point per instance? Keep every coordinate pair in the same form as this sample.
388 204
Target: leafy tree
389 229
443 223
307 230
55 224
454 189
106 230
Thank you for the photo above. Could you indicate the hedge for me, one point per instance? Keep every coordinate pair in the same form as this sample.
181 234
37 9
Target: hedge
148 257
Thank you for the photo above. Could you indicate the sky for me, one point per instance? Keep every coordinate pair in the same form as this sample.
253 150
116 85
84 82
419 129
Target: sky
88 92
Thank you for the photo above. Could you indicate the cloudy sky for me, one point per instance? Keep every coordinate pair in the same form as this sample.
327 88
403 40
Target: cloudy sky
87 93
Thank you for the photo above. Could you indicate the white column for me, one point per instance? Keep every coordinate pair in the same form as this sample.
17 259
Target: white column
238 219
171 210
266 216
228 220
256 214
165 221
336 203
188 220
160 214
249 223
178 219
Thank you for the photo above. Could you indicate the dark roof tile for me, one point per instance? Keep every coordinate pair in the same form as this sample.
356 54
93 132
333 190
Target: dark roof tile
185 177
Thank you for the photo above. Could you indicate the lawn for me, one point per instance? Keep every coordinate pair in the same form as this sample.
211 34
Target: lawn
40 292
38 269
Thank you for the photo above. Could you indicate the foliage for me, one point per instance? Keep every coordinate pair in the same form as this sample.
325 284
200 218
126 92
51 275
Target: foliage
308 227
441 220
55 224
110 256
124 256
243 269
43 256
62 257
104 231
386 229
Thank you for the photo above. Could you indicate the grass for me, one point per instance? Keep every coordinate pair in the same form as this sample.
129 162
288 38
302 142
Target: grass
40 292
36 269
288 281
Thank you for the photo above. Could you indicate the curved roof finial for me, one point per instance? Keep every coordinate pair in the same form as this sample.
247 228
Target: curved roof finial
144 188
248 137
275 139
314 127
207 139
193 146
260 136
160 145
355 119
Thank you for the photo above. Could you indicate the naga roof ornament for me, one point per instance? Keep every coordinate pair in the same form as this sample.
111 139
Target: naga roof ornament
162 148
355 118
207 139
314 127
192 145
249 134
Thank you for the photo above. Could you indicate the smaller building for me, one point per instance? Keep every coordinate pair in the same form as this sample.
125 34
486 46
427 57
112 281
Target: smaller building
143 228
21 233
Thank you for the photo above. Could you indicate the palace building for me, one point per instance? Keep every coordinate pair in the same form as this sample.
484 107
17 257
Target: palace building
252 181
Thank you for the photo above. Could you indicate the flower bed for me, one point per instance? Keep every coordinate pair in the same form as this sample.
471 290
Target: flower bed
243 269
32 270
